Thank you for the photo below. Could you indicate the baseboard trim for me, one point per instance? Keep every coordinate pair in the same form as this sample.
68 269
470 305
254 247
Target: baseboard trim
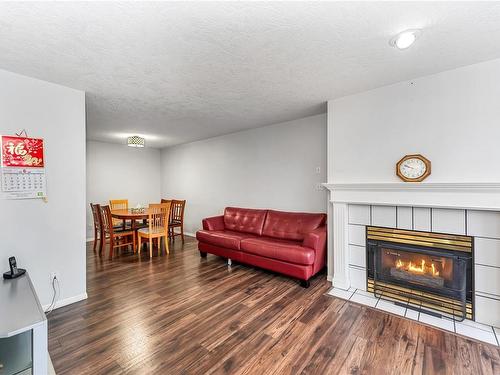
67 301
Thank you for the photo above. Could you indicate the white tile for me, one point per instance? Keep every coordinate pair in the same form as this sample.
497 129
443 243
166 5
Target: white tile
487 279
483 223
477 325
405 217
357 255
411 314
359 214
391 307
364 300
437 322
497 334
384 216
50 366
476 333
422 219
448 221
365 293
487 251
341 293
487 310
357 277
357 235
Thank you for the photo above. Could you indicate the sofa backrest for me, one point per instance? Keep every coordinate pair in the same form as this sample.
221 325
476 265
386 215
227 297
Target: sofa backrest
291 225
245 220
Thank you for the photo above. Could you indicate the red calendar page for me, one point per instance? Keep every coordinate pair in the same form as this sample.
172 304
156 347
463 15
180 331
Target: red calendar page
22 168
22 152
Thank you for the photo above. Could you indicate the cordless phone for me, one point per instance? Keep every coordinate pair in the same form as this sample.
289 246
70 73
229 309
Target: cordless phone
13 265
14 271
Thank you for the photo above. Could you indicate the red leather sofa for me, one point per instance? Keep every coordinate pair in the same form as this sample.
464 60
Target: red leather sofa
290 243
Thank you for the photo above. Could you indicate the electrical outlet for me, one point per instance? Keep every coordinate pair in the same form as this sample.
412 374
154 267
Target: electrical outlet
320 187
318 170
54 275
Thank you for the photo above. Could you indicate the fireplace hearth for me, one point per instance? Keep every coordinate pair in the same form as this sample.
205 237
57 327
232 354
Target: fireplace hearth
424 271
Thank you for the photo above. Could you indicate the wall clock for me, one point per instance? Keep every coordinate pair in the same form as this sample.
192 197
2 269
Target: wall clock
413 168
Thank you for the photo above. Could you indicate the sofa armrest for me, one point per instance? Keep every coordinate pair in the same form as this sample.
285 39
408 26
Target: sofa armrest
316 239
213 223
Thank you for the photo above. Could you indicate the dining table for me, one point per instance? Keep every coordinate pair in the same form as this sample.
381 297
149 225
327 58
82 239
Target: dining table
131 214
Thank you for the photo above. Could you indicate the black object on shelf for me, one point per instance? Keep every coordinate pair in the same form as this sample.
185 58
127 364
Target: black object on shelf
14 271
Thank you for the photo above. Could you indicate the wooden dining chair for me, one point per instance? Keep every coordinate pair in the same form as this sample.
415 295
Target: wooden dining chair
117 237
98 229
118 204
157 228
177 218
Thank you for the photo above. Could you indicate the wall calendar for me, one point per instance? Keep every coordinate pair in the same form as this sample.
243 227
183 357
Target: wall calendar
23 168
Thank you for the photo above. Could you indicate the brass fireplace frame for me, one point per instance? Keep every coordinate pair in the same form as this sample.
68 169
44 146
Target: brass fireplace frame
415 299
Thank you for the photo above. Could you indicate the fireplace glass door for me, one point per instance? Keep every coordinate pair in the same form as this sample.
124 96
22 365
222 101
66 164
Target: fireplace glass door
425 270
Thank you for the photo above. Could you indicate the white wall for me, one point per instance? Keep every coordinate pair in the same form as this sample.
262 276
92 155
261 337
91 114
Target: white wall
268 167
46 237
452 118
120 172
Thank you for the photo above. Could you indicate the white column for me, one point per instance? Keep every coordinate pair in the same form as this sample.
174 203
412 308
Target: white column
329 247
340 246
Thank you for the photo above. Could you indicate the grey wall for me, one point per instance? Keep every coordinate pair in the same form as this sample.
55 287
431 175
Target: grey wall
117 171
269 167
450 117
47 237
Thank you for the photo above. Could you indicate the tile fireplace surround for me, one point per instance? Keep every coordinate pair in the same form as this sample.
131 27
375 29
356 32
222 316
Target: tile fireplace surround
450 208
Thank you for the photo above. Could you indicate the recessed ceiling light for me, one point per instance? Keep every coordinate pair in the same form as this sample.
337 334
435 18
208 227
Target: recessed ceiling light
136 141
405 38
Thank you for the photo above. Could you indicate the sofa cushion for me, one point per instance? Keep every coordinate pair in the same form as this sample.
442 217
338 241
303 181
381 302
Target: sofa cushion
291 225
244 220
284 250
223 238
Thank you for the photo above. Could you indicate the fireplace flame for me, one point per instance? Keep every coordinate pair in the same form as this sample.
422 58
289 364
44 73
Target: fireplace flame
421 268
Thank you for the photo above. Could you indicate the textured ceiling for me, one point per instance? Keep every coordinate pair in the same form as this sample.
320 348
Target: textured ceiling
178 72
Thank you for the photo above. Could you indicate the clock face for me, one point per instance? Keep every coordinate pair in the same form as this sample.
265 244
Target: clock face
413 168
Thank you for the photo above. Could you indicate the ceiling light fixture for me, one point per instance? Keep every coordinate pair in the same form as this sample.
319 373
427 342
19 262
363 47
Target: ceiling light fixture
405 38
136 141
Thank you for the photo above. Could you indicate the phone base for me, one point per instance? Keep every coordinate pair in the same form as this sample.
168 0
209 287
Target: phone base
8 275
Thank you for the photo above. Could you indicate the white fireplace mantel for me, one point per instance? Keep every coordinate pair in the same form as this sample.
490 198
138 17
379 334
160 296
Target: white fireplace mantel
476 213
480 196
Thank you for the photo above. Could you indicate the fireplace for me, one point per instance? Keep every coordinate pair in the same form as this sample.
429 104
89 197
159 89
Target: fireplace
424 271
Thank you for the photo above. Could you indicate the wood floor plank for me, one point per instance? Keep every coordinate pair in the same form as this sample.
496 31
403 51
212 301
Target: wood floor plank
182 314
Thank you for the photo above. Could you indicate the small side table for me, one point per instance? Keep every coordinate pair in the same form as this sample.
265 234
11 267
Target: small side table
23 329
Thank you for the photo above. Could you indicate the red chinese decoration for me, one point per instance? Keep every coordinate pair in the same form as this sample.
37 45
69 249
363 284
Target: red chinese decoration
22 152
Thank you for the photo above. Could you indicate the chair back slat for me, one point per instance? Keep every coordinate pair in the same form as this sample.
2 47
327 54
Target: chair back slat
107 220
118 204
96 214
176 209
159 217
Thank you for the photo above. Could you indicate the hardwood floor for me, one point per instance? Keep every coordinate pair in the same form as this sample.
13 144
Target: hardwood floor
181 314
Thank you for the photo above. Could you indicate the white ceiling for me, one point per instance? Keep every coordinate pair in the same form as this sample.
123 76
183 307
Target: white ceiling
178 72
